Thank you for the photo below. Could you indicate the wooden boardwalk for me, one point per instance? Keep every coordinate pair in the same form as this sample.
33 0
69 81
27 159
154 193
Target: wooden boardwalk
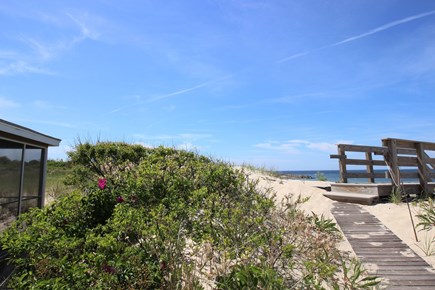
381 251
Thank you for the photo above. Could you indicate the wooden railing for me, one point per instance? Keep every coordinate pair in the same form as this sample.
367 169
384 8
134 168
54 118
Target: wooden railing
415 156
396 153
369 151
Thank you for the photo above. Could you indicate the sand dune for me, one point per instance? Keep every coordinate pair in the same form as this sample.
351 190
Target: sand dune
395 217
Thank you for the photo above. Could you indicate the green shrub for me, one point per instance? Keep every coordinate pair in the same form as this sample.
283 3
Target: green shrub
167 219
320 176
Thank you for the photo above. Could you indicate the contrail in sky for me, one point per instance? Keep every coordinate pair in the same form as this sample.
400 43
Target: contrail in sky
362 35
179 92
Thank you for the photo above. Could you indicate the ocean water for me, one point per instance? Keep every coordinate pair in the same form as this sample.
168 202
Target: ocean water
334 176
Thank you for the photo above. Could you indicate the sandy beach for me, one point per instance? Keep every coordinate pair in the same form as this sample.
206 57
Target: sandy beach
395 217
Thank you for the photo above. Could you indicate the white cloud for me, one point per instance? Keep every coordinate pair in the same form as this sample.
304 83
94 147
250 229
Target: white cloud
322 146
296 146
7 104
22 67
290 148
45 105
86 31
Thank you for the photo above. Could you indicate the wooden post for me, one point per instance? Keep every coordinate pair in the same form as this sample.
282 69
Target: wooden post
392 162
423 170
369 167
342 164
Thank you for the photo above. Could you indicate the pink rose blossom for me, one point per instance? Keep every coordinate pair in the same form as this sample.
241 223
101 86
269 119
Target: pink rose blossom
102 183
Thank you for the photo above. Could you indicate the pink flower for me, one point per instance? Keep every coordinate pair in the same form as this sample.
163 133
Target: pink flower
109 269
102 183
119 199
163 266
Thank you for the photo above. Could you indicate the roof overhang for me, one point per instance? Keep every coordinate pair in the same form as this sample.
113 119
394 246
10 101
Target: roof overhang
22 133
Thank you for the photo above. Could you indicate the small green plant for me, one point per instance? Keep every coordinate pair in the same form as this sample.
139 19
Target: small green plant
427 215
324 224
396 195
355 277
427 245
320 176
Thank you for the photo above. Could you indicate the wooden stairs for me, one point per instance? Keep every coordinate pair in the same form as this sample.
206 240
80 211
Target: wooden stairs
365 193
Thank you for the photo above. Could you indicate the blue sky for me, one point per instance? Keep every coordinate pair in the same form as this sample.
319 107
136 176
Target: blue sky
271 83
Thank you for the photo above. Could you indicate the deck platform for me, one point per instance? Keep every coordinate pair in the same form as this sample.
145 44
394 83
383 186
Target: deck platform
367 193
381 251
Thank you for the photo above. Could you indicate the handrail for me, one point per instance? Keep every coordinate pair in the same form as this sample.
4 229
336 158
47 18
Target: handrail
396 153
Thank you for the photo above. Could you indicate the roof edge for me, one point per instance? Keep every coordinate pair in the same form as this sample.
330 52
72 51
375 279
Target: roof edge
27 133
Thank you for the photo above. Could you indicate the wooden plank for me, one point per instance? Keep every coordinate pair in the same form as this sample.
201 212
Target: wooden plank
392 161
396 270
337 156
403 151
365 162
404 174
364 175
407 161
369 166
363 148
342 165
410 144
423 170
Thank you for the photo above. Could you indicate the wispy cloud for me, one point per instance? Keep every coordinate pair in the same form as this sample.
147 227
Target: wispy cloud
51 123
183 91
194 88
141 99
289 148
293 98
184 141
297 146
22 67
7 104
46 105
86 31
384 27
43 51
359 36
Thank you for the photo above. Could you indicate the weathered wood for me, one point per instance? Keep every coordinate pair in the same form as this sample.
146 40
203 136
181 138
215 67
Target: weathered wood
423 170
363 148
369 166
407 161
396 270
405 174
365 162
393 162
342 164
410 144
403 151
364 175
336 156
397 153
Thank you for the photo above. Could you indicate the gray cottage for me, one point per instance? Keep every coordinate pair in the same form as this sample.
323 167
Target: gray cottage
23 162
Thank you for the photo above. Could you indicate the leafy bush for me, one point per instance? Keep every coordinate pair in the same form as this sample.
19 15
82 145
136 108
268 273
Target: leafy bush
320 176
167 219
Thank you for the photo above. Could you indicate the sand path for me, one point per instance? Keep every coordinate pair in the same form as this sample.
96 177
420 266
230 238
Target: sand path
395 217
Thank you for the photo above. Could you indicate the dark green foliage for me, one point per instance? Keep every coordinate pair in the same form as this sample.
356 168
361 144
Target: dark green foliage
167 219
247 277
